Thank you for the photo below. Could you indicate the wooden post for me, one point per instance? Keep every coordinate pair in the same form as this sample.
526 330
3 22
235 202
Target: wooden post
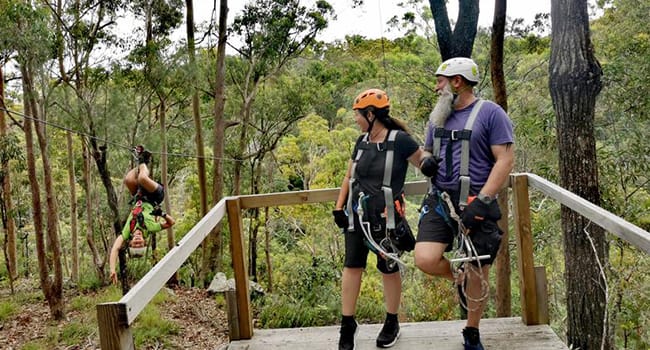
114 331
233 316
237 250
502 263
542 294
521 207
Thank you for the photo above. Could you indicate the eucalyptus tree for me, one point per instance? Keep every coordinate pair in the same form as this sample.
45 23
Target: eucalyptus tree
272 33
200 159
29 38
9 150
6 145
458 42
620 36
81 30
212 246
575 82
277 109
161 17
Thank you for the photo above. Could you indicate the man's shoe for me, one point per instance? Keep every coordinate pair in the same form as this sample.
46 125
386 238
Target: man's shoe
388 335
349 331
472 339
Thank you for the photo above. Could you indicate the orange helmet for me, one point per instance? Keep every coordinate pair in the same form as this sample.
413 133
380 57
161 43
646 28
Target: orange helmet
371 97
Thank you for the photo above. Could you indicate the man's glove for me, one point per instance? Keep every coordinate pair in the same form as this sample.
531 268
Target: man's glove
478 211
157 212
429 166
341 218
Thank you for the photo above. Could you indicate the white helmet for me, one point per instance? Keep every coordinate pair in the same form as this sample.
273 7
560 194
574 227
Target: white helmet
462 66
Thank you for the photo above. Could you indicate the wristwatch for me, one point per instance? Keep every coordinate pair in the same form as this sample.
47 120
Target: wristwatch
485 198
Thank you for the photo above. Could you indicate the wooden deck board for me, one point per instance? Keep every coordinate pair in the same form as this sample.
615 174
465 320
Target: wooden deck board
496 333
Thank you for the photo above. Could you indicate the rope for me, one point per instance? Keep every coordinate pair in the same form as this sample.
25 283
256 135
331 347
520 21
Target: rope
107 141
464 252
379 249
383 49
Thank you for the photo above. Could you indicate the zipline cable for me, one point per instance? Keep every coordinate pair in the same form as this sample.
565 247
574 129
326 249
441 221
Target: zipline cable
117 145
383 49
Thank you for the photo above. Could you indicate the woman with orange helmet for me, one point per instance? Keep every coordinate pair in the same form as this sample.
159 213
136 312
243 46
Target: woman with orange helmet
383 138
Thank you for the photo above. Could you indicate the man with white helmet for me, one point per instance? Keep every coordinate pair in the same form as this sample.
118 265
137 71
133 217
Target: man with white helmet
471 145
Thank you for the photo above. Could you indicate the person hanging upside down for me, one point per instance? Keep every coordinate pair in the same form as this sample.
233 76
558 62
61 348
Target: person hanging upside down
143 218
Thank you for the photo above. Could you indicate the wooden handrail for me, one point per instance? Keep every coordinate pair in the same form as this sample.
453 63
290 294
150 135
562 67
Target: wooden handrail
617 226
115 318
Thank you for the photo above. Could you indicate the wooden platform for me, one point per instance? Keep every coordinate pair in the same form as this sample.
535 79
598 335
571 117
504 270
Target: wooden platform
496 334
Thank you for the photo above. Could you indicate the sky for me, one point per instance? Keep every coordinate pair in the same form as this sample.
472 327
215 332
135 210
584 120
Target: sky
370 19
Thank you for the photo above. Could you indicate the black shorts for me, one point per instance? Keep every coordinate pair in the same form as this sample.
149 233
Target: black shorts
356 251
155 197
437 226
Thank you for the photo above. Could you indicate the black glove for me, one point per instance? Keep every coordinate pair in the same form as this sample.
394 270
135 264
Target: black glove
341 218
478 211
158 212
429 166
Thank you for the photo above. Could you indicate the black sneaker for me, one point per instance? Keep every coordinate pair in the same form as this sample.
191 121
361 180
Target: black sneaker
472 339
388 335
349 331
144 157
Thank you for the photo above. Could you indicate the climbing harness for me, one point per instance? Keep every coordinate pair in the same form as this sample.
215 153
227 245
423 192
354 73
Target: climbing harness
386 247
137 218
464 137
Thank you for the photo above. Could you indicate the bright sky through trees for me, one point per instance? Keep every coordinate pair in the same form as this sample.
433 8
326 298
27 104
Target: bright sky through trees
370 19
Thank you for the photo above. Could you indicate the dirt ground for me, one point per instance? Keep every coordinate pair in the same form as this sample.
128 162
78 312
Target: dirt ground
203 325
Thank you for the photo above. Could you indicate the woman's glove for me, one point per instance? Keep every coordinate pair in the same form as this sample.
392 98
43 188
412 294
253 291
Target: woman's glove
429 166
340 218
477 211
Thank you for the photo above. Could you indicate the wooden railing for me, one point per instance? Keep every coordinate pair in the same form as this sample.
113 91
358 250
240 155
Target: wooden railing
114 319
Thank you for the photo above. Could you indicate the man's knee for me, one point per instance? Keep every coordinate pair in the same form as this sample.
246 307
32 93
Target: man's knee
429 261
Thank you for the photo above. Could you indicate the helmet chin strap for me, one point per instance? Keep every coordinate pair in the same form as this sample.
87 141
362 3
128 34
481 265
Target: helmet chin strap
370 123
457 93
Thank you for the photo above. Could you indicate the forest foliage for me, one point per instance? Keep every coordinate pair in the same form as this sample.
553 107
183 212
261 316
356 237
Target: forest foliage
300 136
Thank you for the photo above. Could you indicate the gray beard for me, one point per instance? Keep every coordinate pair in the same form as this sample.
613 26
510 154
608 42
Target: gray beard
443 108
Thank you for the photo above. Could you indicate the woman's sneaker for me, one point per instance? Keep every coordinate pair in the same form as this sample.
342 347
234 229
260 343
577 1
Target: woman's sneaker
389 334
349 331
472 339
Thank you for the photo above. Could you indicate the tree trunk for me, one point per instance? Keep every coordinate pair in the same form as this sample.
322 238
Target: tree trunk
212 249
496 54
8 221
171 240
252 244
267 251
256 177
502 262
52 289
574 85
52 215
203 193
460 41
73 210
98 262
